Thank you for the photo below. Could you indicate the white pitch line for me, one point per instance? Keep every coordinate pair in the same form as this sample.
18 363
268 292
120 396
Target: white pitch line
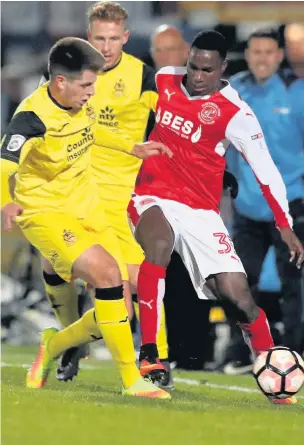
216 386
190 382
15 365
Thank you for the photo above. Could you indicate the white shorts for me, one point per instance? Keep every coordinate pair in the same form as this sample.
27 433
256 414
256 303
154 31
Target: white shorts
201 239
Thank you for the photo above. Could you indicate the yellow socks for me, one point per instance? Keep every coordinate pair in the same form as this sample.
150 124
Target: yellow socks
63 297
81 332
161 340
110 318
113 322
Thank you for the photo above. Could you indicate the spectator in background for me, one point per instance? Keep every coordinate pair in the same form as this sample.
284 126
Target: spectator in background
294 42
268 93
168 47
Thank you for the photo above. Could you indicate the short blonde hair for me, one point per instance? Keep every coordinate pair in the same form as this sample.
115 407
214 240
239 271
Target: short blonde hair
107 11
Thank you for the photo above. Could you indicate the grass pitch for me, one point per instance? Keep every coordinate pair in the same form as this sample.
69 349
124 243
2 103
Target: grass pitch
205 409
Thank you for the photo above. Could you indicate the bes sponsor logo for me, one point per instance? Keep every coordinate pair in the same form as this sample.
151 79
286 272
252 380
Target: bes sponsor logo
107 117
80 147
179 125
209 113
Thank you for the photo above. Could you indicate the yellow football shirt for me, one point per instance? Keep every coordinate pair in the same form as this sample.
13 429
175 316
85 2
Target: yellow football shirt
49 148
124 97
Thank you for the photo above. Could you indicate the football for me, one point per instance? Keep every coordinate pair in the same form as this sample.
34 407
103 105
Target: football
279 372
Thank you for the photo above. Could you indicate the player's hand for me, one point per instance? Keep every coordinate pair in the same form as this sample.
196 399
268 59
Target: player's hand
230 183
294 244
151 148
9 213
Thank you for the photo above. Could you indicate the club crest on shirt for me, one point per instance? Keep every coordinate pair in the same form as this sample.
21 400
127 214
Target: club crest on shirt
119 87
90 111
68 236
209 113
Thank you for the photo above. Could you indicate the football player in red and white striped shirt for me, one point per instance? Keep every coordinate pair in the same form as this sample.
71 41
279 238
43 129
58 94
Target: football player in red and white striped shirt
176 201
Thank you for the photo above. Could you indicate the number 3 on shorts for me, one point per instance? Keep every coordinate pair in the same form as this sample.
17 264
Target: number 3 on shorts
226 241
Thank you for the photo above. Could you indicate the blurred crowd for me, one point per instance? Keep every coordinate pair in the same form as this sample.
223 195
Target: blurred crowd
271 81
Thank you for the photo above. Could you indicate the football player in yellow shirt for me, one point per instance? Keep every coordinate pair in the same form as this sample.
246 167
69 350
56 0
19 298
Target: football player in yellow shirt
56 203
125 93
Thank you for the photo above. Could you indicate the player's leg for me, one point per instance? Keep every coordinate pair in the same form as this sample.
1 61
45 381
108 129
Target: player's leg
161 339
112 317
211 253
133 256
78 256
64 300
112 244
63 296
155 235
251 241
61 247
240 306
110 310
234 291
86 329
165 380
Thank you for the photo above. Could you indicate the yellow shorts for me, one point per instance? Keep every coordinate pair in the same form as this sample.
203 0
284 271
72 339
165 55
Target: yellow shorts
115 200
62 238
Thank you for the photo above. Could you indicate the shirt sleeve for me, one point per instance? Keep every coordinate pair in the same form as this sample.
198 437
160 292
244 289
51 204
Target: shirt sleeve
149 94
245 133
22 133
116 141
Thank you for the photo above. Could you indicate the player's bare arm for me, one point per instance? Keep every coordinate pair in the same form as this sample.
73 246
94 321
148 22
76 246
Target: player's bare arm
120 142
151 148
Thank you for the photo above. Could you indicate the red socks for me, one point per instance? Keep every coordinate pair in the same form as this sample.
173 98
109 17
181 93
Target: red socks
257 334
150 293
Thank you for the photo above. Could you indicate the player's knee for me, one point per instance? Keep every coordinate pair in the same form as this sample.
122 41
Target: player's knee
252 278
98 268
47 267
160 252
105 273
